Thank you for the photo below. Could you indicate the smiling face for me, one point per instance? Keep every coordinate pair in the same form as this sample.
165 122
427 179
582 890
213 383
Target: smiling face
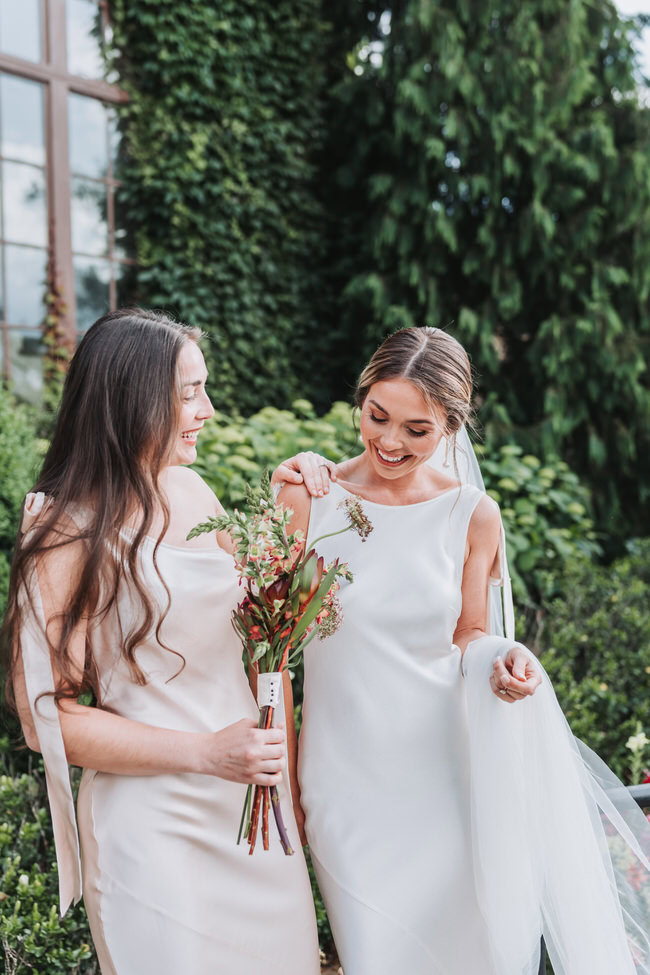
196 407
398 428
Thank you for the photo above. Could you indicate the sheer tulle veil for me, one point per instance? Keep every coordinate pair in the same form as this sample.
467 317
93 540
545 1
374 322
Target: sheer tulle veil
560 847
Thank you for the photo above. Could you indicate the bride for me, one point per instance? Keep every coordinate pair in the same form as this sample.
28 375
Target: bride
448 832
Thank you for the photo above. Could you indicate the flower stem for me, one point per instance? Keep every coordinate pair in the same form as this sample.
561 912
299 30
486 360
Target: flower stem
320 538
279 822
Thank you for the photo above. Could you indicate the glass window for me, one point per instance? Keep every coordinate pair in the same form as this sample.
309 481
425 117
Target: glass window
85 32
89 217
21 29
25 277
88 124
26 351
22 134
34 161
92 288
24 204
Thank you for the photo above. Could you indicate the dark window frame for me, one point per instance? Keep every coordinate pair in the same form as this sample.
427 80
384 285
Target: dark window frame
58 83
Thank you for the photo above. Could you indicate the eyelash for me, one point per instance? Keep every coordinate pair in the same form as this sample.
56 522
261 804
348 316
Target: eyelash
414 433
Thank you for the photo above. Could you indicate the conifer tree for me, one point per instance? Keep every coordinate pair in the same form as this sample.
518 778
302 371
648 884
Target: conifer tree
492 175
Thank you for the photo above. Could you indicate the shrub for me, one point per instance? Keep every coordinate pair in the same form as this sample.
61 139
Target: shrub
546 514
33 937
597 639
235 450
21 453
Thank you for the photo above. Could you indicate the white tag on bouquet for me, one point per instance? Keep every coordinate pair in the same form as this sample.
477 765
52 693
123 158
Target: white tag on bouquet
269 690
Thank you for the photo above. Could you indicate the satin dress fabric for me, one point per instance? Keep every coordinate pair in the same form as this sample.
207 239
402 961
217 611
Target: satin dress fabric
384 751
449 830
165 885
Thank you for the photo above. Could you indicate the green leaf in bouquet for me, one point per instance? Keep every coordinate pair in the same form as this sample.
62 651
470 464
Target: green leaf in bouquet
315 604
211 525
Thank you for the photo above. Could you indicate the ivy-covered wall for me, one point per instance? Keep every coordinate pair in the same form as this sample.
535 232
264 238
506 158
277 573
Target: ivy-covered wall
219 137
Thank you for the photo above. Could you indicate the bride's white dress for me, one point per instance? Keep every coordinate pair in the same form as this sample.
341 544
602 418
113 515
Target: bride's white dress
430 844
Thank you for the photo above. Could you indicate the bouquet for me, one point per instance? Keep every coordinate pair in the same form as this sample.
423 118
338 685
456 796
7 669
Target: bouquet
290 597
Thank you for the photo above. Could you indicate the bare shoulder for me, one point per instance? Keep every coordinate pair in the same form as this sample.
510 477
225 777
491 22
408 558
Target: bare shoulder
298 498
485 525
184 484
191 501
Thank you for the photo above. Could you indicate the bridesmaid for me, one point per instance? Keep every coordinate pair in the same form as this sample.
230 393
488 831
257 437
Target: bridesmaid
108 598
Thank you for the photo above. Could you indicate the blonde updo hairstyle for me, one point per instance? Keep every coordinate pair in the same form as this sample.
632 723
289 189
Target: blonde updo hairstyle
436 364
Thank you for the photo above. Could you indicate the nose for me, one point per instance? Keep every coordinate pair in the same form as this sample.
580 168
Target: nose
390 439
206 409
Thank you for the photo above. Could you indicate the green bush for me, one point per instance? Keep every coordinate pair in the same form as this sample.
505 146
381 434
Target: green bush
21 453
32 935
597 640
233 451
546 513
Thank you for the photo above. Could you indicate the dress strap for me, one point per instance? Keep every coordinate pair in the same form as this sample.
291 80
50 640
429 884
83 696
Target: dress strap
39 680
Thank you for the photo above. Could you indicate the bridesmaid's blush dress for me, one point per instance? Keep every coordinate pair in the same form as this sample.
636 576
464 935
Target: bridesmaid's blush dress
166 888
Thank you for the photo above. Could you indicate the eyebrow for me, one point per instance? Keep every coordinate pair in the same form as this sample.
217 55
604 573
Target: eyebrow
379 407
194 382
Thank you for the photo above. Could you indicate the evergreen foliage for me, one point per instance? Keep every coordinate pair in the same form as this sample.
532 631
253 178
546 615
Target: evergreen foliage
218 182
493 174
596 649
21 454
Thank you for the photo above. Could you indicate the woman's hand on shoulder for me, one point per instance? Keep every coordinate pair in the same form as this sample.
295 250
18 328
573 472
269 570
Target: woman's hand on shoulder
308 468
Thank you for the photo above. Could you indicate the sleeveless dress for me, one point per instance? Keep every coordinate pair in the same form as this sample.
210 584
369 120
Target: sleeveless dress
166 888
384 752
450 831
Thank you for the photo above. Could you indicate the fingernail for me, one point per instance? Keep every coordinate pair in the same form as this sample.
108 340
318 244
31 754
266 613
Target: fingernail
320 493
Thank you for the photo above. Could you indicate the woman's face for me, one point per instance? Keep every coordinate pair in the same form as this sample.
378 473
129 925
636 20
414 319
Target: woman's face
398 428
196 407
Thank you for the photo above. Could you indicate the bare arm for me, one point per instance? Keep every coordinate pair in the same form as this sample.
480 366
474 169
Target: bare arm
480 556
97 739
516 673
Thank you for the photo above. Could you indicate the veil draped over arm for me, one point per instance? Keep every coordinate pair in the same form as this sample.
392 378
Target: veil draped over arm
560 847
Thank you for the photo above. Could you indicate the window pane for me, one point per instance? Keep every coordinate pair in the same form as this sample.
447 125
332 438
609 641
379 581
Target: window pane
92 279
24 204
89 225
26 351
21 119
20 29
88 136
84 30
25 269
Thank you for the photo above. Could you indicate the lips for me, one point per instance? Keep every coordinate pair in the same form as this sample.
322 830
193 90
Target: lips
190 436
390 460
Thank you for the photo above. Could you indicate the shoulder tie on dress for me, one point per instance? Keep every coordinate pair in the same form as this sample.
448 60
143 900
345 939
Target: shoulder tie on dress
39 679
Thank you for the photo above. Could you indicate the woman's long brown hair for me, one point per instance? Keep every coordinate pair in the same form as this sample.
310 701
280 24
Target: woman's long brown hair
118 415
